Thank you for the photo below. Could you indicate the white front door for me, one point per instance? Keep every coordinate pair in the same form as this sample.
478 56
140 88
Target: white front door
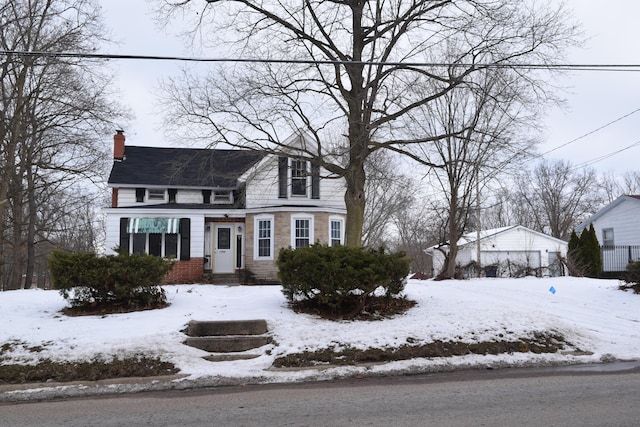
223 249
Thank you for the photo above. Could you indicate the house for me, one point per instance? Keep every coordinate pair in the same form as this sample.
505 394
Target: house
617 227
220 212
506 252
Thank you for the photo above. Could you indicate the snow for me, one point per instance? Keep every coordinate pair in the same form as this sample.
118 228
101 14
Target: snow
593 315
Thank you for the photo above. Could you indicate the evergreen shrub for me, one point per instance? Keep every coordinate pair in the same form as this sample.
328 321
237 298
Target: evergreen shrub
341 278
584 254
128 281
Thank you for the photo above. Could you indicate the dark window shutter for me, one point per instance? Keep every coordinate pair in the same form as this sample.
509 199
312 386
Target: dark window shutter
140 194
124 236
283 164
172 194
206 197
185 239
315 181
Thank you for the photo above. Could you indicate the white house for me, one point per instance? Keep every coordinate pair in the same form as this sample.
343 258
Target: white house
617 227
220 211
507 252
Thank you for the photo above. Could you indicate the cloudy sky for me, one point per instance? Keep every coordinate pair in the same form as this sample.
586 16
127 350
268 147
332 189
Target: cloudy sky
594 98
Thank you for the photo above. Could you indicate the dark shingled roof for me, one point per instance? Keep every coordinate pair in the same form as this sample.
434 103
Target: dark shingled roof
182 167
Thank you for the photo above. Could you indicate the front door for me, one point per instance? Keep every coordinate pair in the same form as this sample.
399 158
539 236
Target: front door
223 252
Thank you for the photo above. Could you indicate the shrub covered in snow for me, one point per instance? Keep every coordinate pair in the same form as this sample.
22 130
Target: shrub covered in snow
341 278
127 281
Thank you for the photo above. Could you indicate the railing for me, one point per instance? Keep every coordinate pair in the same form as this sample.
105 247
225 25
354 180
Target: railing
616 258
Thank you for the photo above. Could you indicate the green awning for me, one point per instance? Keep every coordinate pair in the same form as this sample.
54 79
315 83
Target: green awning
153 225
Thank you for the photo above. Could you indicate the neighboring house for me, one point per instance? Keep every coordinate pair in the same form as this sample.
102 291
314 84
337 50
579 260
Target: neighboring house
617 226
506 252
220 211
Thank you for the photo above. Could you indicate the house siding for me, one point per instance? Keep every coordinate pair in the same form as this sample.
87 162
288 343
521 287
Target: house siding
189 196
262 190
625 221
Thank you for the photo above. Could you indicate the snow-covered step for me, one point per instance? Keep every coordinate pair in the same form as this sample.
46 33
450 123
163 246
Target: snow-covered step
198 328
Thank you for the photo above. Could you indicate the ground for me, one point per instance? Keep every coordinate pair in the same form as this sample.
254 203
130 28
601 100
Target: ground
483 322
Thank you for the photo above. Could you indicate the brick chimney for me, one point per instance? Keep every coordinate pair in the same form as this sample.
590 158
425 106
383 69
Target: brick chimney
118 145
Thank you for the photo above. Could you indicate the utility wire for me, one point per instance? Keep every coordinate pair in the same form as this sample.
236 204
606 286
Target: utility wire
590 133
606 156
567 67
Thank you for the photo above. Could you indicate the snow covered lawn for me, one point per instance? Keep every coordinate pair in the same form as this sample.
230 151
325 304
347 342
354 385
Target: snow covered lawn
593 315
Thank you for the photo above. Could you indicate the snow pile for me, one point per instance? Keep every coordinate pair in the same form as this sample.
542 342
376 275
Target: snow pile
591 314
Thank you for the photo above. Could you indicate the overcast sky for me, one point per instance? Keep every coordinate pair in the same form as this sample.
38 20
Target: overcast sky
594 98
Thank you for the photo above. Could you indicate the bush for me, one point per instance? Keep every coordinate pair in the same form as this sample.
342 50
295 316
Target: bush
128 281
340 278
632 275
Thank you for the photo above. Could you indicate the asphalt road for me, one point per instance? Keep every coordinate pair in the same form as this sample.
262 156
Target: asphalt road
475 398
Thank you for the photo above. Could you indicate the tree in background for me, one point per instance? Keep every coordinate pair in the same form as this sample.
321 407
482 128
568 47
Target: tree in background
615 186
389 195
496 108
358 67
54 113
554 197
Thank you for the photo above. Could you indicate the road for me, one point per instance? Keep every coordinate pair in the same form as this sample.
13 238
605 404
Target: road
474 398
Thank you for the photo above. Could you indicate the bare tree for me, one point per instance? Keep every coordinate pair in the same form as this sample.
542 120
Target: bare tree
496 108
54 113
554 197
389 194
615 185
350 65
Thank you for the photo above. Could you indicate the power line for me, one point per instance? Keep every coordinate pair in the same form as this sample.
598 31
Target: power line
589 133
606 156
561 67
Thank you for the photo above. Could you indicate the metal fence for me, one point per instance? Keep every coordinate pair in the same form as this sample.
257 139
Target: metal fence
616 258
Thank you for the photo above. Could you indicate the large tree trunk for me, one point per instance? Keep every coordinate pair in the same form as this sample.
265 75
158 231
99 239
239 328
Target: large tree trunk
355 203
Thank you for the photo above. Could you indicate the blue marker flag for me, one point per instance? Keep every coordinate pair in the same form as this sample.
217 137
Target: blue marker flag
552 290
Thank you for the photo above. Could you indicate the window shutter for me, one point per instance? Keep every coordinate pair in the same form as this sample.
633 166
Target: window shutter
172 194
315 181
185 239
140 194
124 236
283 163
206 197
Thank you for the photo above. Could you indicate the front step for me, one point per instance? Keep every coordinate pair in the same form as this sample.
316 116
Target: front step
233 336
229 343
223 327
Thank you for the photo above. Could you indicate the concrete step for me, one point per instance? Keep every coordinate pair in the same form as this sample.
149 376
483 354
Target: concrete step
197 328
229 343
231 279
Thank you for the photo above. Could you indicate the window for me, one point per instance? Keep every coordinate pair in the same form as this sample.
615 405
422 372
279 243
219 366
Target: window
263 231
165 237
155 194
298 177
336 231
222 197
297 183
301 231
607 237
157 244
